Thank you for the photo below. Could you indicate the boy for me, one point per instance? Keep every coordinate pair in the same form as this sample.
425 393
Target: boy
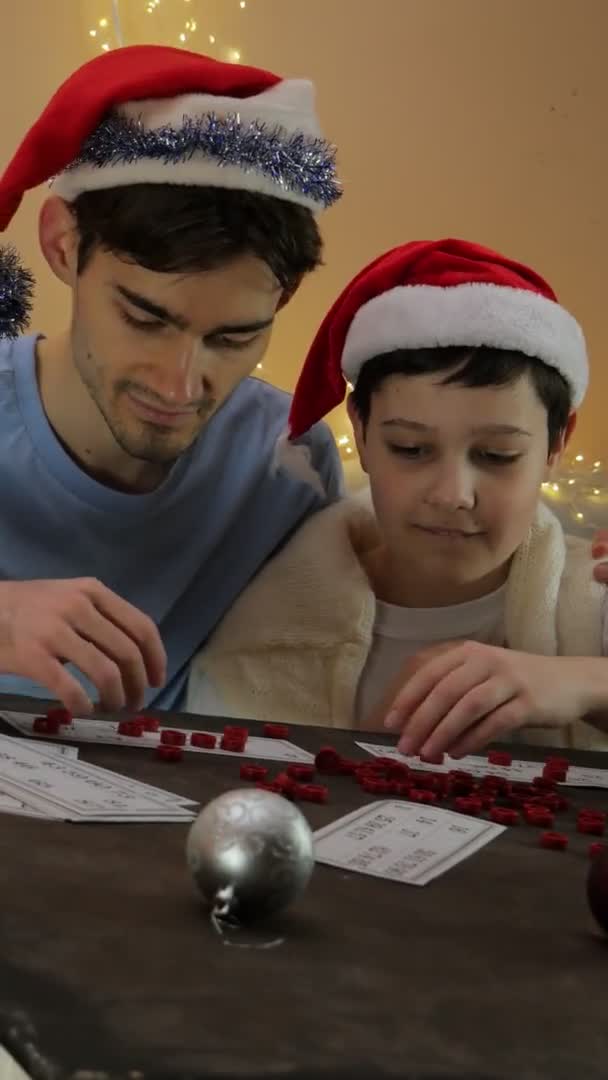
135 451
466 375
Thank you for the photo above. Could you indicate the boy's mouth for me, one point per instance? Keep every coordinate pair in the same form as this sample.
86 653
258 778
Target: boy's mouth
449 533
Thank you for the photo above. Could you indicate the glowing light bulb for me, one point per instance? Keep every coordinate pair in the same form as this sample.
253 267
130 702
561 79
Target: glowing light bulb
349 449
596 464
596 491
580 517
105 47
259 366
555 487
234 56
103 23
343 440
579 457
182 37
212 39
93 33
243 4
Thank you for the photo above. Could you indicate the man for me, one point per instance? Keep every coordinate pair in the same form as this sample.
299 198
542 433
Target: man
140 490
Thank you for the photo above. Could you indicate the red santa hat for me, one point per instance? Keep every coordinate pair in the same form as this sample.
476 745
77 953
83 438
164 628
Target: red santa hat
151 114
432 294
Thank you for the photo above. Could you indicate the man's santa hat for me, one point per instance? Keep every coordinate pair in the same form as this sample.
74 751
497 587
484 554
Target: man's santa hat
432 294
151 114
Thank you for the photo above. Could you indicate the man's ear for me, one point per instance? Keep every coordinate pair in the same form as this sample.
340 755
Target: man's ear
58 238
358 430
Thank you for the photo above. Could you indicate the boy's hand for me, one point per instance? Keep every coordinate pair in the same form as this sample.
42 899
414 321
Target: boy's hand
599 550
473 694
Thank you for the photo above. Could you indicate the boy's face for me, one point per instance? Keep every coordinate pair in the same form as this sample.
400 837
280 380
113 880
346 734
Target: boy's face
454 472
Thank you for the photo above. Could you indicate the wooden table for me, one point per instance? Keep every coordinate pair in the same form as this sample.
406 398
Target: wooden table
109 967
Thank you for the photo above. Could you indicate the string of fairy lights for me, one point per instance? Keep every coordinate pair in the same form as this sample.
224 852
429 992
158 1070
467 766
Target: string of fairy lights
107 32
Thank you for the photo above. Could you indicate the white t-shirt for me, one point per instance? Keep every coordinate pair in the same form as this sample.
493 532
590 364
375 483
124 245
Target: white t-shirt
400 632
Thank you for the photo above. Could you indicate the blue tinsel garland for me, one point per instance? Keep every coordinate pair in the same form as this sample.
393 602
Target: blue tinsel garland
295 162
16 289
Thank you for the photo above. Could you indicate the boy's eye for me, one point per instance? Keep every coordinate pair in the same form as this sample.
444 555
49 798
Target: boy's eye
493 457
406 451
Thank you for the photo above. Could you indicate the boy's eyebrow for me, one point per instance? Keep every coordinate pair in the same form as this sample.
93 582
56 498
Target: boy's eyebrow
178 321
483 429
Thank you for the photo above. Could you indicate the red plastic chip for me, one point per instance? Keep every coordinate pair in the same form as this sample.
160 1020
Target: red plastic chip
328 761
150 723
204 739
313 793
554 840
558 762
422 795
499 757
44 725
275 731
555 772
234 745
592 826
133 728
62 716
503 815
168 737
169 753
538 815
301 773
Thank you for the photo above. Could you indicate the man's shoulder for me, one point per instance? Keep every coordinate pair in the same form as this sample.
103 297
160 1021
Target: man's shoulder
268 403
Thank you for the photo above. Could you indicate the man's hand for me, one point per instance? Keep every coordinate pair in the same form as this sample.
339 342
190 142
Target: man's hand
46 624
599 550
474 694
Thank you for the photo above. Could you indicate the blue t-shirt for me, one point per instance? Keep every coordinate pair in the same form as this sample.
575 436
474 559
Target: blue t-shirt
181 553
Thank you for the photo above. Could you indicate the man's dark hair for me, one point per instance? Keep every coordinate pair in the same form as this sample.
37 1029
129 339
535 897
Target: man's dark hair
472 367
175 229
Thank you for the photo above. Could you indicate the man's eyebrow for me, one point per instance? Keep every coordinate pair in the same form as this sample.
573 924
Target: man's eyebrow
159 312
173 319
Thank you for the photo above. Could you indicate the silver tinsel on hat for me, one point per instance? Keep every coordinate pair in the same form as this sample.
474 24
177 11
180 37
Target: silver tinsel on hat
295 162
16 291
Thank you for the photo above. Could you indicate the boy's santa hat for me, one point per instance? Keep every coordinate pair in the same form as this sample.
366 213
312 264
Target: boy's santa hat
432 294
151 114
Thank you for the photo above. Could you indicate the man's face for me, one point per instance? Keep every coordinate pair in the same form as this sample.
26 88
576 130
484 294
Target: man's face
159 353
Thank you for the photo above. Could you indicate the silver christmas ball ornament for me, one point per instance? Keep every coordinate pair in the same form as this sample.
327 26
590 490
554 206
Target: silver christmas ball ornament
251 853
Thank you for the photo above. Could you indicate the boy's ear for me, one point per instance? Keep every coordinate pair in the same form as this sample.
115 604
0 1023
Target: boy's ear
562 442
358 430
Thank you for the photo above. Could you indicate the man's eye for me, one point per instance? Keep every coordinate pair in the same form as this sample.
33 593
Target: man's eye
147 325
223 342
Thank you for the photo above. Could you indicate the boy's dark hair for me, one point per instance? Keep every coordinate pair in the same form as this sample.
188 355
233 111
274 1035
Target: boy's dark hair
481 366
172 228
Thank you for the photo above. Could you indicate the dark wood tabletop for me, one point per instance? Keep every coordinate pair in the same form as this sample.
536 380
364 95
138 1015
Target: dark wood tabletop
110 968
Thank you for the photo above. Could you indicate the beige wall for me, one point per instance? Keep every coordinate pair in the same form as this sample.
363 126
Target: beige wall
474 118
